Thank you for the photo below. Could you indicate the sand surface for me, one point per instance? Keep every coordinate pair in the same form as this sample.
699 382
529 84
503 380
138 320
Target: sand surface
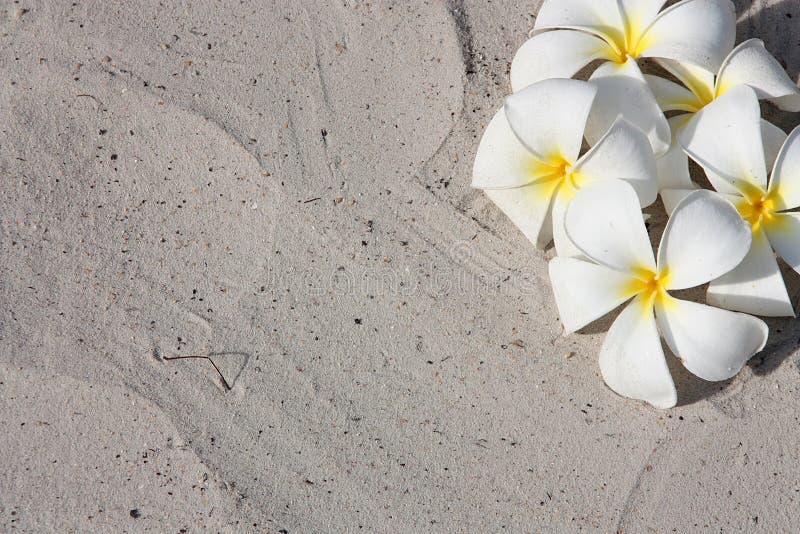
284 185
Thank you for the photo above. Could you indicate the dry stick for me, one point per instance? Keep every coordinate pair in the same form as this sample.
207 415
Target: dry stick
225 382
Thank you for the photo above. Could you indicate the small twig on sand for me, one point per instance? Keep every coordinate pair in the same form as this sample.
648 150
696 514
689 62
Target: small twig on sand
224 382
97 100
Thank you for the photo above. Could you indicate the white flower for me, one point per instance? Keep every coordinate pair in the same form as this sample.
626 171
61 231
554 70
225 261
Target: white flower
529 163
728 140
748 64
573 33
704 239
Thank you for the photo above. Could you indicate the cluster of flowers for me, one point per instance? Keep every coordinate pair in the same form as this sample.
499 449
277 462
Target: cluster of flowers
530 165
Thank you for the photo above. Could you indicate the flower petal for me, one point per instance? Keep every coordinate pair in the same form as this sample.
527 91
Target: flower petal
671 96
528 208
640 13
699 81
774 138
751 64
623 153
700 32
600 17
713 344
605 221
725 138
784 187
755 286
502 161
632 361
564 245
585 291
673 167
673 197
788 103
549 117
784 235
555 54
704 239
623 90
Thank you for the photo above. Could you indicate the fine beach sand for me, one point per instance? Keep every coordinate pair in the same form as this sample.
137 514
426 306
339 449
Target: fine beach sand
284 186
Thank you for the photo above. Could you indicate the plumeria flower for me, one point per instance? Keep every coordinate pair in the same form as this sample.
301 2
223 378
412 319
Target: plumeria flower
728 141
571 34
529 161
605 223
748 64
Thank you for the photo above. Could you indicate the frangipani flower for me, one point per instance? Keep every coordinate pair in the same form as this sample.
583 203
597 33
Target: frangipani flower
748 64
727 140
704 239
570 34
529 162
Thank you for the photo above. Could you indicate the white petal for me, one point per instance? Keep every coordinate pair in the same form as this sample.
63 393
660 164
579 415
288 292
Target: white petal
585 291
784 235
549 117
673 197
564 245
605 221
600 17
502 161
725 138
555 54
785 184
623 90
774 138
751 64
623 153
632 361
673 167
671 96
640 13
699 81
528 208
755 286
704 239
788 103
701 32
720 184
713 344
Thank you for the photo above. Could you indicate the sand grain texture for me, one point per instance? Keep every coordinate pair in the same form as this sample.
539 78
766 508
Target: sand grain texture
285 186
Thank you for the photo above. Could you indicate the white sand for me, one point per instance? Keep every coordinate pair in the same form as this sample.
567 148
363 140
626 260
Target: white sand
396 358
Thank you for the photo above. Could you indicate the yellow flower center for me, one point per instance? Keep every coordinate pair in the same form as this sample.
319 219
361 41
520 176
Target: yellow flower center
630 42
570 180
559 173
650 285
757 207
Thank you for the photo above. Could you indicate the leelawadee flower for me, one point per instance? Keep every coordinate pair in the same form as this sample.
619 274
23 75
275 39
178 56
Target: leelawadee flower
748 64
529 161
570 34
728 141
704 239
